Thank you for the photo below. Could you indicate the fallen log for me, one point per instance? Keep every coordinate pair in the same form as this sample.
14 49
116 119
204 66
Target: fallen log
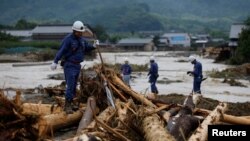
119 83
235 120
122 111
153 128
49 123
17 98
40 109
167 114
215 116
104 116
183 123
118 92
88 114
226 118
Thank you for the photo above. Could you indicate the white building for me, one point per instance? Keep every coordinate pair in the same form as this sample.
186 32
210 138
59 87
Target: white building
178 39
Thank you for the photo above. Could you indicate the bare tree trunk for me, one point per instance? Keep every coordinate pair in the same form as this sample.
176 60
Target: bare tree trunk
50 123
201 132
153 128
104 116
118 82
235 120
40 109
88 114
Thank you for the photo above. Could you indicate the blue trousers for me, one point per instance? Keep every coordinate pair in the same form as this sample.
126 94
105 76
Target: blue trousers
153 87
126 79
197 85
71 73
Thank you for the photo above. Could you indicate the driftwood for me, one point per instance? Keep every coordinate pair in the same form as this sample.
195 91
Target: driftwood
225 118
215 116
119 83
88 114
49 123
241 120
167 114
122 111
40 109
153 128
104 116
183 123
17 98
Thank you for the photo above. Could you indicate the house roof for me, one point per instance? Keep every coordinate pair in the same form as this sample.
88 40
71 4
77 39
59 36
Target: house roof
236 30
54 29
18 33
174 34
135 41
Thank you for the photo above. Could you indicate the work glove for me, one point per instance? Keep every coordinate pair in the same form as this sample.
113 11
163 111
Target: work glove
82 65
53 66
189 72
96 43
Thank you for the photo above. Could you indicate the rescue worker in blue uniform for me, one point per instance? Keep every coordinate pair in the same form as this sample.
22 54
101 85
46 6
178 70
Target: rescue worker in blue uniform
72 49
153 75
197 74
126 72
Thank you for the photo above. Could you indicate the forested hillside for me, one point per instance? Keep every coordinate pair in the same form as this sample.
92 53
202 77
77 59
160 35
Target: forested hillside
131 15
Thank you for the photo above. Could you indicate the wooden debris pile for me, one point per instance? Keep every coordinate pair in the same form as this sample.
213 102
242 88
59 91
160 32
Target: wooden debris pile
131 117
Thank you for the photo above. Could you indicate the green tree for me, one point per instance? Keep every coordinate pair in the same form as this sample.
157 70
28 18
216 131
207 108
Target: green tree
156 40
23 24
7 37
101 33
243 49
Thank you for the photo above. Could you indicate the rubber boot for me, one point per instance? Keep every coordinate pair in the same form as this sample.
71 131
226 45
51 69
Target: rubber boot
74 106
67 107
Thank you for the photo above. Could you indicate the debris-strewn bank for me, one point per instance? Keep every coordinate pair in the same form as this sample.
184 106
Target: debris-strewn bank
237 109
135 116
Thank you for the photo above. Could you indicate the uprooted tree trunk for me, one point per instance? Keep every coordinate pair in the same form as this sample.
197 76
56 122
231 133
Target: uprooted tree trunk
215 116
40 109
49 123
92 127
88 114
119 83
152 127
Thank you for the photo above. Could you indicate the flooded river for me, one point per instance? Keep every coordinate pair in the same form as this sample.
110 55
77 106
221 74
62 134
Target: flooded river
171 69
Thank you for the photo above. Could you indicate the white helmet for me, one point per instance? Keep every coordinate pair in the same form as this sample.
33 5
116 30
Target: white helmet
191 58
78 26
126 59
152 58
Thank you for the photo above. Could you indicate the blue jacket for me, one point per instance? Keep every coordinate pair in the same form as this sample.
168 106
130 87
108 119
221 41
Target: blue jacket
153 72
197 72
73 49
126 69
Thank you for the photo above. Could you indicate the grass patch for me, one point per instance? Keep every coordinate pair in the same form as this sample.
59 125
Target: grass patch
135 68
223 74
38 44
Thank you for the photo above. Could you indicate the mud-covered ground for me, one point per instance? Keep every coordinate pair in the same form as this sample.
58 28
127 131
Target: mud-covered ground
237 109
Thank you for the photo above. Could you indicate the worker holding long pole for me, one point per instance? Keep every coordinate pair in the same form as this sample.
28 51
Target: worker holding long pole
72 50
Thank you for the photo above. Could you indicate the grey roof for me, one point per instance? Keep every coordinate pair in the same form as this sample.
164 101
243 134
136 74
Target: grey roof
18 33
236 30
135 41
52 29
174 34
